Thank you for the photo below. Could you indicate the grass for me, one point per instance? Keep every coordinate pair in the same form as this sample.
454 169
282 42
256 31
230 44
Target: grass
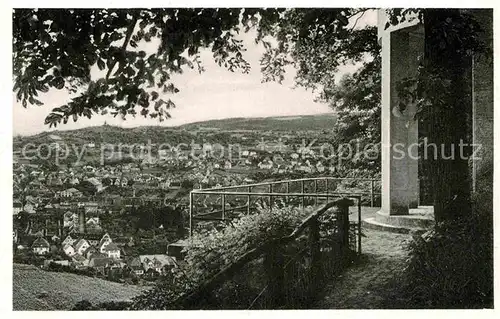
369 284
35 289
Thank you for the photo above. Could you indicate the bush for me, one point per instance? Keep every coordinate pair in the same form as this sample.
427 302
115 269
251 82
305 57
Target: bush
211 250
451 266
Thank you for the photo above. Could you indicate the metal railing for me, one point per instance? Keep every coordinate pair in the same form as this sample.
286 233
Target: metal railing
285 272
222 203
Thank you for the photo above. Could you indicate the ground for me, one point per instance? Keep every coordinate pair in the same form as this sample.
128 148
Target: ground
370 283
35 289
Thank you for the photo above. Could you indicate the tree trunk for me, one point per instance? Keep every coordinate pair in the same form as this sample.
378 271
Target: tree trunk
447 121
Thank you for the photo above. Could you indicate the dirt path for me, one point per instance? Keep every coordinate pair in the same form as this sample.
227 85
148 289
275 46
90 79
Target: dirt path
368 284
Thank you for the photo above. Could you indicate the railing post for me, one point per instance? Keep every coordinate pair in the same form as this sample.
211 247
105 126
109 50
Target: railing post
275 271
343 226
315 192
270 188
359 225
287 190
316 269
326 185
249 189
302 191
418 188
191 214
371 192
223 202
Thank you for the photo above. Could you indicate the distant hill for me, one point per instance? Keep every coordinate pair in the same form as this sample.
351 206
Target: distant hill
283 123
178 134
35 289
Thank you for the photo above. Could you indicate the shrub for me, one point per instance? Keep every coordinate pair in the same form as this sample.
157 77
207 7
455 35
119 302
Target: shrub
451 266
213 249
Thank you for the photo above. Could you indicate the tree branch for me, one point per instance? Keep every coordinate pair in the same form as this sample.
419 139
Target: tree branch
130 31
356 22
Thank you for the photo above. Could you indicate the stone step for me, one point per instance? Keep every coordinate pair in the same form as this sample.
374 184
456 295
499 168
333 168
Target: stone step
423 220
423 211
371 223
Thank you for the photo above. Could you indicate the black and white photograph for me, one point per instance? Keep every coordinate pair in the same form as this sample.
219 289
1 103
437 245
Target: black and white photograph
250 158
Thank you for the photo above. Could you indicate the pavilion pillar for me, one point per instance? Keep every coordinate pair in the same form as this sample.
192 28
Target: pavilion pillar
400 188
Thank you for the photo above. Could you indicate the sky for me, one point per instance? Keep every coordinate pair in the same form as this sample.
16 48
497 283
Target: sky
215 94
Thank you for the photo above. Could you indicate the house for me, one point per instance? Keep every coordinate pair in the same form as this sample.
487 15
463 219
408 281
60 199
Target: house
152 263
93 228
70 193
112 250
135 266
266 164
92 221
68 240
158 262
40 246
81 246
93 238
69 250
103 243
79 261
106 237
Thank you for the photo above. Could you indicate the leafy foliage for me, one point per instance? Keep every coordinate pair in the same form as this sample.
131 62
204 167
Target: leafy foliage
452 266
56 49
210 250
460 33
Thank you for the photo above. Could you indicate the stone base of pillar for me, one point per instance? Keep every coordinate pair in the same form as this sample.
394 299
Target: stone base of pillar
418 219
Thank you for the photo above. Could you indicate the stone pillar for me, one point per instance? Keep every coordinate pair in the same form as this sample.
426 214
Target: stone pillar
400 51
482 107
